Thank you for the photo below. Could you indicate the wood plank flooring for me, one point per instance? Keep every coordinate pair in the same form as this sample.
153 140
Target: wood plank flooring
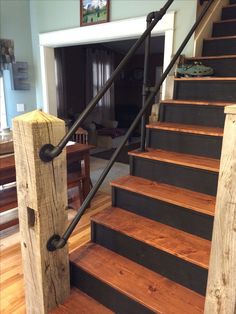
12 299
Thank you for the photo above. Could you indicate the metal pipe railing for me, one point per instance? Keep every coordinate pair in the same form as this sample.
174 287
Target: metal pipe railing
48 152
145 84
56 242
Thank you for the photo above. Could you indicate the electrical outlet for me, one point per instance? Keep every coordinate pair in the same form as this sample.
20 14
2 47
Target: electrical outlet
20 107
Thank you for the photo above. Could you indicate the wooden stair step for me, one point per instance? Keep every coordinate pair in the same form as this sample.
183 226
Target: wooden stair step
153 291
212 57
187 128
220 38
79 302
187 160
229 6
176 242
197 103
196 201
224 21
207 78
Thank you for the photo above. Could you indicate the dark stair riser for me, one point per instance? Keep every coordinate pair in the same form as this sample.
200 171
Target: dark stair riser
222 67
229 13
194 144
232 1
105 294
194 179
224 29
170 266
190 114
219 47
211 90
172 215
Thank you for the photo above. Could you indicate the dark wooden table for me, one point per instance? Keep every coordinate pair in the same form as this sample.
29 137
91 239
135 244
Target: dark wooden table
76 154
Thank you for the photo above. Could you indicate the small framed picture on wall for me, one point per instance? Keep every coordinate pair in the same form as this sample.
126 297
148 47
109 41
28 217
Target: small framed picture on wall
94 11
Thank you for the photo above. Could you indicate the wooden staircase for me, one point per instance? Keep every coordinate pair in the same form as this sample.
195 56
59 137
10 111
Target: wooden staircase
149 252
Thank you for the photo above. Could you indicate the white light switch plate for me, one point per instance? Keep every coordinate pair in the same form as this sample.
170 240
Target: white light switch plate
20 107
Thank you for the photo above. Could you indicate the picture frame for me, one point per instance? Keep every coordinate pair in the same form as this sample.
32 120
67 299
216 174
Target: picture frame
94 12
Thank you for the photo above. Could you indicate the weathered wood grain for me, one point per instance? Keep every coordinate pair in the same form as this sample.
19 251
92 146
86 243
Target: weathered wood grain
12 294
42 202
221 289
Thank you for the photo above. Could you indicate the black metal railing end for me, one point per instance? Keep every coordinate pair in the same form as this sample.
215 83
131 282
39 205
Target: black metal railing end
55 242
48 152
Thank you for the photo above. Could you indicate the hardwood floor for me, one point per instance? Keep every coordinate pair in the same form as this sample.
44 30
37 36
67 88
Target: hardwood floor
12 298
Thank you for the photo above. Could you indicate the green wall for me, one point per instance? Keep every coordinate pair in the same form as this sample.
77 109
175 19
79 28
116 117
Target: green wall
15 24
24 20
50 15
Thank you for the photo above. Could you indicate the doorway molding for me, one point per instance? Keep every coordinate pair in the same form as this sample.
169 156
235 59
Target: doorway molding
111 31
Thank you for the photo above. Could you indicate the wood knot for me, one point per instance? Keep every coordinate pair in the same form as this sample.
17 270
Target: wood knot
121 272
152 288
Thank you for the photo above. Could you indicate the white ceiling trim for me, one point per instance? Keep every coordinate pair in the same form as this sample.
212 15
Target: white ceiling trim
111 31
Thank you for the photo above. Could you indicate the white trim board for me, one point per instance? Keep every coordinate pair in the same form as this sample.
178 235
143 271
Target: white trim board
111 31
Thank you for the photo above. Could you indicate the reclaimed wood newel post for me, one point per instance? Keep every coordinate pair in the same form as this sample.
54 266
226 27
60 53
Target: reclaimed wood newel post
42 201
221 287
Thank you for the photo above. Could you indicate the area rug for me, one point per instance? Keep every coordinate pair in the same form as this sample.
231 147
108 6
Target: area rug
123 157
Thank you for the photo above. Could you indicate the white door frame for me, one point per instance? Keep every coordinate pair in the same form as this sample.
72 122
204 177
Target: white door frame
112 31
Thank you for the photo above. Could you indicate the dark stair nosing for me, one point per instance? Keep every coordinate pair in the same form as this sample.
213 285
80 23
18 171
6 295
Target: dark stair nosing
110 278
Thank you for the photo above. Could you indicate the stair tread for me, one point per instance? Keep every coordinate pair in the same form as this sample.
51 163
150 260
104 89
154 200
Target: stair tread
154 291
208 78
79 302
213 57
197 103
229 6
187 128
202 203
187 160
220 38
224 21
176 242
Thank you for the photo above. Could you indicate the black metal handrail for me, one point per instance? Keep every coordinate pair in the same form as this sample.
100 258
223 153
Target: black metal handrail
56 242
48 152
